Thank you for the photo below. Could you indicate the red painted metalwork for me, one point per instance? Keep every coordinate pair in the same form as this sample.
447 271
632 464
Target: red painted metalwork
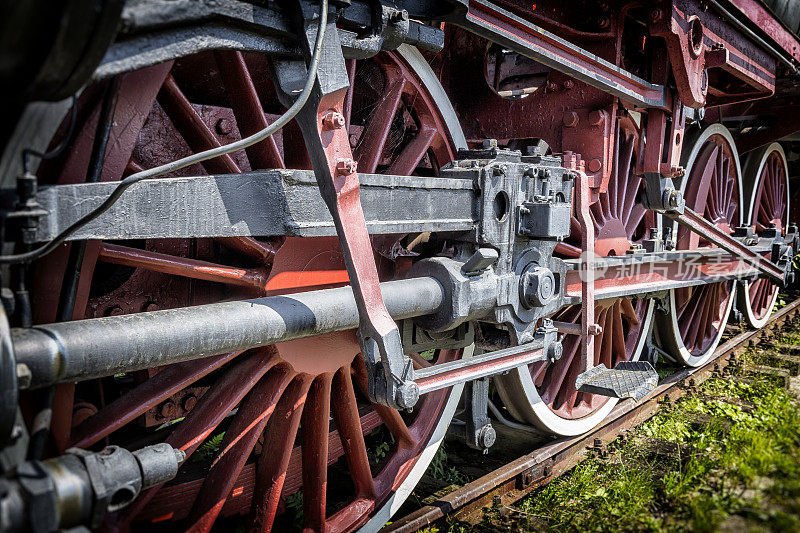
684 36
713 190
770 209
770 25
149 393
163 274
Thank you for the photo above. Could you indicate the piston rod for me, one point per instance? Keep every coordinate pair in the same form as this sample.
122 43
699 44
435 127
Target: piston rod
97 347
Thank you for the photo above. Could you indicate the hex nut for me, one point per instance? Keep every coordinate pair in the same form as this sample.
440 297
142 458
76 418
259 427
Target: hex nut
538 286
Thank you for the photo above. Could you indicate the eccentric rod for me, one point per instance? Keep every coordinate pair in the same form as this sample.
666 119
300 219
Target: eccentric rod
92 348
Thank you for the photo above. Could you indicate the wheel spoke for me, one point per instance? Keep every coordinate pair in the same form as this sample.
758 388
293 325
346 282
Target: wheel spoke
370 148
254 278
145 396
210 410
240 438
250 117
315 423
279 440
405 163
192 128
348 423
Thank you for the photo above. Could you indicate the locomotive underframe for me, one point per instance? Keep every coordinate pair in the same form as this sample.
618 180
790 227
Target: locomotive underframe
504 212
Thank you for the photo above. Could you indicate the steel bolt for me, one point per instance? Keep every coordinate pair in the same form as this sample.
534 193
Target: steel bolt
407 395
570 119
488 144
656 15
595 329
114 311
569 84
168 409
595 165
224 126
353 140
150 306
538 286
597 117
345 167
189 401
399 16
332 120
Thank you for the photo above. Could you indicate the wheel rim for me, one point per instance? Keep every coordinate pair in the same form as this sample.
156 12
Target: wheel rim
767 170
168 111
711 186
544 394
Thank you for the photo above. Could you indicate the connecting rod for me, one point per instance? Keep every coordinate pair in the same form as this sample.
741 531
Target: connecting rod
86 349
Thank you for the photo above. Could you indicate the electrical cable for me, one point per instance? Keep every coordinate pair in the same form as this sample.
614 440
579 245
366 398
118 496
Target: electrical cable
188 160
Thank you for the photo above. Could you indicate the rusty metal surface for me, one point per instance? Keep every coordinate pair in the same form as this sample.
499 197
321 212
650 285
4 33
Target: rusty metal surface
521 476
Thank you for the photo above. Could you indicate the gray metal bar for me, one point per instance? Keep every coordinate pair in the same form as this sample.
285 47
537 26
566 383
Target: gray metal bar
454 372
86 349
263 203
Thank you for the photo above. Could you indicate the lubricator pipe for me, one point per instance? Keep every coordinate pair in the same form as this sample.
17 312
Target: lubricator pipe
86 349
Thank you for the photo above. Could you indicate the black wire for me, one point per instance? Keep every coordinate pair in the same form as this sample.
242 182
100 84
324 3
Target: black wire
58 150
66 304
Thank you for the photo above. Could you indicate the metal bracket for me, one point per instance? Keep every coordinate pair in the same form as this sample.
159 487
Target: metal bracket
390 372
477 428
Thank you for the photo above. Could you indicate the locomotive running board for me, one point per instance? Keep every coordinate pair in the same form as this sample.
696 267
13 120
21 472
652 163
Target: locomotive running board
629 379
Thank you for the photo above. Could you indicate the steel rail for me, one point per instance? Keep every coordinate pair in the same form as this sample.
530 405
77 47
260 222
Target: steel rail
521 476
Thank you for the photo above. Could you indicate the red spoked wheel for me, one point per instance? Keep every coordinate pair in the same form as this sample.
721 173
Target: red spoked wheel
712 185
266 426
766 176
544 394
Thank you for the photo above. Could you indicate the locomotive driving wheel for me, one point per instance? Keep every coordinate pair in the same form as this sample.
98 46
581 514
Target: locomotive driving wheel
712 185
766 177
544 394
279 425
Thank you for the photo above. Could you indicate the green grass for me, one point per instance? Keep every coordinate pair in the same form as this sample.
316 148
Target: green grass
709 462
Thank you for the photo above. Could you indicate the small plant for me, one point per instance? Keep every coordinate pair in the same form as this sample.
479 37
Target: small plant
441 471
208 450
377 453
294 506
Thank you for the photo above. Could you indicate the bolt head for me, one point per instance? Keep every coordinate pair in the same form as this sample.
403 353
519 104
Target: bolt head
595 165
332 120
538 286
570 119
223 126
595 329
487 436
345 167
656 15
189 401
407 395
597 117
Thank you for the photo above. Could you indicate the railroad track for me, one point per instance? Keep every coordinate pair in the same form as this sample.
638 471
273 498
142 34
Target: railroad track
505 485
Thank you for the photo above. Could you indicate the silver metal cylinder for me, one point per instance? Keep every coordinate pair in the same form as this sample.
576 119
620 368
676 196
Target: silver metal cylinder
85 349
